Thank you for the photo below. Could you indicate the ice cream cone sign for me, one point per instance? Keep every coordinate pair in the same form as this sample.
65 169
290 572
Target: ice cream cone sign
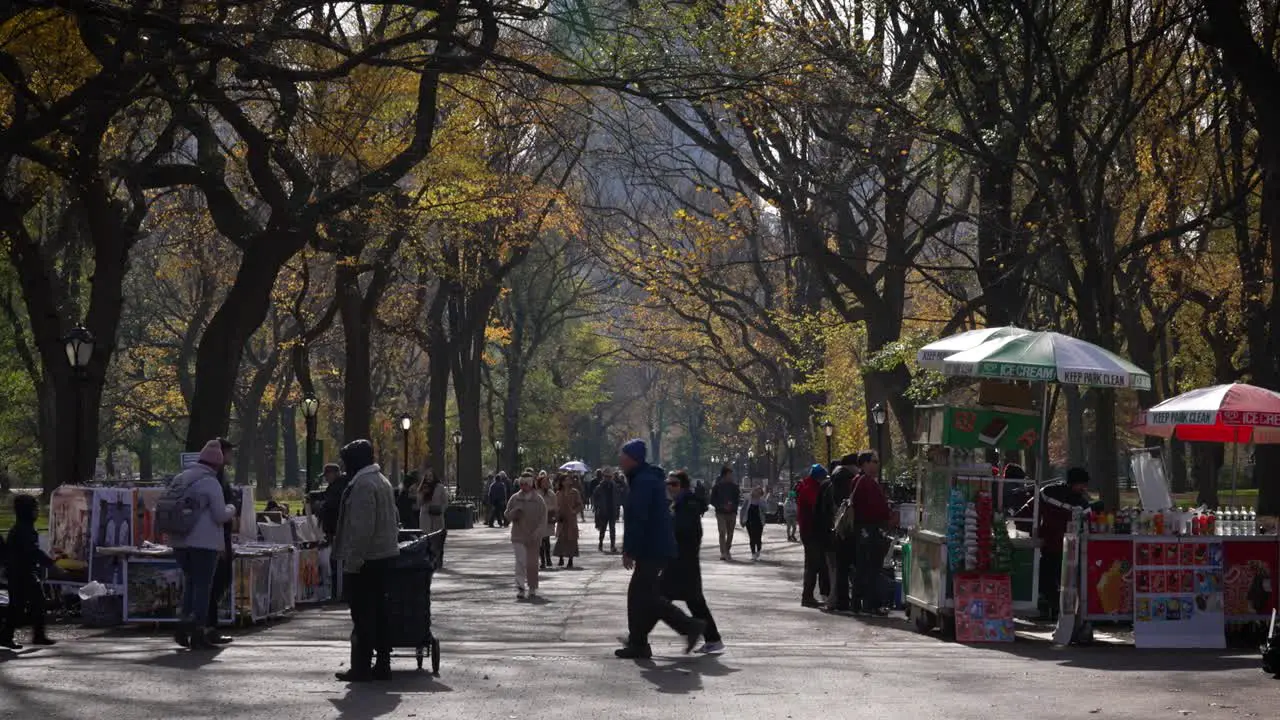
1112 585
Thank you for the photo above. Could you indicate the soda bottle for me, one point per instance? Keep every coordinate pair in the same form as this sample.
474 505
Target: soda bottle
1157 523
1211 523
1252 522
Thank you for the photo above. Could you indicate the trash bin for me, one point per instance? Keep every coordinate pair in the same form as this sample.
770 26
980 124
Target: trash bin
906 569
459 516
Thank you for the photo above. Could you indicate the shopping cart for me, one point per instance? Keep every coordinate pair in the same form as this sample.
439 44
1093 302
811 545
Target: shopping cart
409 598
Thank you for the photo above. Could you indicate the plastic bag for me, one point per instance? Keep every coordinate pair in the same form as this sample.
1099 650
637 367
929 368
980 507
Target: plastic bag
93 590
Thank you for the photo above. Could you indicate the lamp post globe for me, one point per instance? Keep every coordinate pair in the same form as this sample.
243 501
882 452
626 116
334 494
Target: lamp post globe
828 429
878 416
79 344
406 422
457 460
791 459
310 408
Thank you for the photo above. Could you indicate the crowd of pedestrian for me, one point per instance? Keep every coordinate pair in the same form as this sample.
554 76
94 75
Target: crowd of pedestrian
839 515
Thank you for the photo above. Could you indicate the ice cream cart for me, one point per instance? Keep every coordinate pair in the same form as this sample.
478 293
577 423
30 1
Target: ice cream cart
960 532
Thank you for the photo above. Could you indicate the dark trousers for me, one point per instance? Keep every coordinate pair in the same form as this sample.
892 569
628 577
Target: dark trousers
755 536
611 525
869 567
840 557
815 570
646 605
221 581
496 516
1050 579
26 604
198 566
370 616
544 552
699 611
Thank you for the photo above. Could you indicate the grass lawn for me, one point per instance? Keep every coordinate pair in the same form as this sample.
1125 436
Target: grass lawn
1244 497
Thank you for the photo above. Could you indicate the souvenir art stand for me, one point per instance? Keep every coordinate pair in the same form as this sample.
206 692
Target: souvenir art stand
942 576
263 583
106 534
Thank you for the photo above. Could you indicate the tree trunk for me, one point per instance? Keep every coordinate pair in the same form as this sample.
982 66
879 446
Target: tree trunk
357 396
146 455
289 431
222 346
466 393
1076 438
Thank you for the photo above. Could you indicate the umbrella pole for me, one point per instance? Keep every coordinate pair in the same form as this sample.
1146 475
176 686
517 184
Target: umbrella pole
1042 470
1235 466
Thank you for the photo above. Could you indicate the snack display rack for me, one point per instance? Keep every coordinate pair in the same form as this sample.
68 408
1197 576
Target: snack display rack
947 552
1238 586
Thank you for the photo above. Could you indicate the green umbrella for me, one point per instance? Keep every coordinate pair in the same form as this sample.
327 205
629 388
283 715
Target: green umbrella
1047 357
931 356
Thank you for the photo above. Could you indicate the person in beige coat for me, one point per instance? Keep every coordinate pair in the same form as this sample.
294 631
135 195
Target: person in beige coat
568 505
527 513
433 499
366 547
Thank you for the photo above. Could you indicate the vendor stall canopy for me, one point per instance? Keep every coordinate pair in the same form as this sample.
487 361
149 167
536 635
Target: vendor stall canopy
931 356
1235 413
1047 357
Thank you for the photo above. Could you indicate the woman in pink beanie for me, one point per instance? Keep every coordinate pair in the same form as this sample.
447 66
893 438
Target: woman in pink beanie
197 550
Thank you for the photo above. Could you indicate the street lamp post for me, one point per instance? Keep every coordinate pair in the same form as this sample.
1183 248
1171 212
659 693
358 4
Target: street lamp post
877 415
457 460
310 406
751 460
405 423
768 451
520 451
79 347
791 460
828 429
497 456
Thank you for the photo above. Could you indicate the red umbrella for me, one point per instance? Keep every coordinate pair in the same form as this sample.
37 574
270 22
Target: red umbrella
1235 413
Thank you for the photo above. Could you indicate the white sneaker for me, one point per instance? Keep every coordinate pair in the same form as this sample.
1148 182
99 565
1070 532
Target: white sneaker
533 594
711 647
519 593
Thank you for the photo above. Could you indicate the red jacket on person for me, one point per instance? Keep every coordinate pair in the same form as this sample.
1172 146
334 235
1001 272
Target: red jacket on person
806 502
869 503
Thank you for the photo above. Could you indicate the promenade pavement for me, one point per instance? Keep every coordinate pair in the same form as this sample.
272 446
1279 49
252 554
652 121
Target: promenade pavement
554 659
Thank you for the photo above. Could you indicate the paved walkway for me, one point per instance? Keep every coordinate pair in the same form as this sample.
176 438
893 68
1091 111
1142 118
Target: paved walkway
504 659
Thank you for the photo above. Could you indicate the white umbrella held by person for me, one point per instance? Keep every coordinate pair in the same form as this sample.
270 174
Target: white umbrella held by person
576 466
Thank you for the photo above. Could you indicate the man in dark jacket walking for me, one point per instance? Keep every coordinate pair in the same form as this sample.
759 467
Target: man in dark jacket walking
682 579
726 497
605 501
841 551
498 494
648 544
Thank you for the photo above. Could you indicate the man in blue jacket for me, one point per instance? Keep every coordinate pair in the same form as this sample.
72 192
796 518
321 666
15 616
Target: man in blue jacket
648 544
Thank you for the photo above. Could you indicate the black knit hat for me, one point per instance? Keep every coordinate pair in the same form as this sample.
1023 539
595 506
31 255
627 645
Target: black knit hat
1077 476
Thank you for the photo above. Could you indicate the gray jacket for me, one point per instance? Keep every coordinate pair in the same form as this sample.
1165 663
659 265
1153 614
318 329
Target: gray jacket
368 522
201 481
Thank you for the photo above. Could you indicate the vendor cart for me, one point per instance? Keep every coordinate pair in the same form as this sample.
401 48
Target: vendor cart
409 597
955 441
